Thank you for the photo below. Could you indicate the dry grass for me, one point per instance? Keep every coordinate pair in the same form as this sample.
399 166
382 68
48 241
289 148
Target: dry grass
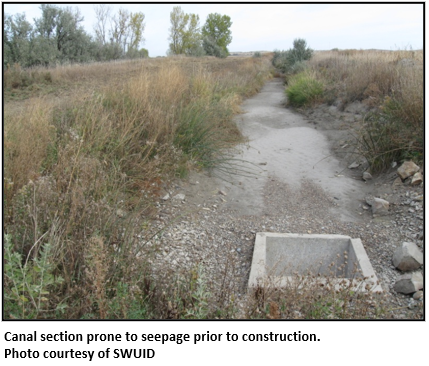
315 294
390 84
81 170
367 75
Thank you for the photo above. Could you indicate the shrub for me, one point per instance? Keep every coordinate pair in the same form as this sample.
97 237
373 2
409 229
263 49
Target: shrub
211 48
30 282
303 89
286 60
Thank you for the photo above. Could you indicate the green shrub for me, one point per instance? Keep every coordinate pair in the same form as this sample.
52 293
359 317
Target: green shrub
28 284
286 61
303 89
211 48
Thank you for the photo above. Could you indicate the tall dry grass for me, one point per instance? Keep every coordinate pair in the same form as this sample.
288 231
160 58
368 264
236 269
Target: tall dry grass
390 84
81 172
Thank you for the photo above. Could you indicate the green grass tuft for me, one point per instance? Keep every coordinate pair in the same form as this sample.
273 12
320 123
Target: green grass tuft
303 89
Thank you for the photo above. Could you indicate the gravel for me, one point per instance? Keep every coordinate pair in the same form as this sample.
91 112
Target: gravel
199 225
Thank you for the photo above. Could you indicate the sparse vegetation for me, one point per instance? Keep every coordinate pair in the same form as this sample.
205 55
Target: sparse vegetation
305 297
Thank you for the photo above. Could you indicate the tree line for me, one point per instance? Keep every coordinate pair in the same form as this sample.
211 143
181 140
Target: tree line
58 36
187 37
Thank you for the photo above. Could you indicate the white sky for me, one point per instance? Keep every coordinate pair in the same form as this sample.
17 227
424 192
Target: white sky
266 27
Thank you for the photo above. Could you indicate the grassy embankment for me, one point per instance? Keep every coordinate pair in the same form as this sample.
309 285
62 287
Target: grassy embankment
83 158
389 83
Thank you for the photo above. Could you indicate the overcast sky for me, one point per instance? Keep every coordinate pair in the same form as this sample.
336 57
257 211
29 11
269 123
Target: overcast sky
266 27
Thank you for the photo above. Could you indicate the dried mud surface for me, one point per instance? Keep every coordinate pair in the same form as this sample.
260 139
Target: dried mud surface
296 181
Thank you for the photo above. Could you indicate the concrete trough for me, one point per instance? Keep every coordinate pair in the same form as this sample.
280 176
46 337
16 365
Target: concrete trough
278 258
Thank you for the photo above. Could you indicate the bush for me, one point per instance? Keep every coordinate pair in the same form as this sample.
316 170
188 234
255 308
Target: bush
28 286
212 49
303 89
286 60
196 50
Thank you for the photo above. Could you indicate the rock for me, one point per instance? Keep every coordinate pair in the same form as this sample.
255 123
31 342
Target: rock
397 182
354 165
407 257
179 197
355 108
407 169
380 207
417 179
166 197
223 193
369 199
366 176
418 198
409 283
418 295
120 213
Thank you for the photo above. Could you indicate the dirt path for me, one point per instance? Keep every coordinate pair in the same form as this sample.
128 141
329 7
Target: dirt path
296 185
287 148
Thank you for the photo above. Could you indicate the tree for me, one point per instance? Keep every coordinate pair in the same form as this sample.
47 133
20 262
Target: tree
16 39
178 20
192 35
127 31
59 36
185 33
120 28
137 27
211 48
217 30
102 13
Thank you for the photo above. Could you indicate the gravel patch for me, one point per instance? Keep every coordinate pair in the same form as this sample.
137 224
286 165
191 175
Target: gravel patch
198 222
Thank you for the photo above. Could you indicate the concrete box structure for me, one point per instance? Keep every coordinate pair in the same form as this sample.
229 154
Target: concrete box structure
281 257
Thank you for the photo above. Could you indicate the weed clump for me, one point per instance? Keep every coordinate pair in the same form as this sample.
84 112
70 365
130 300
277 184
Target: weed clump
304 89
